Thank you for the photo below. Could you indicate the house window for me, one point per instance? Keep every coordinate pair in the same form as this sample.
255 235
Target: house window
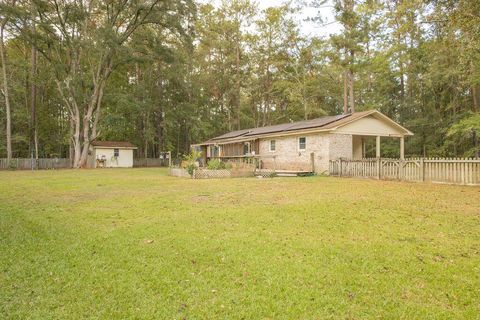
116 153
246 148
214 151
302 143
272 145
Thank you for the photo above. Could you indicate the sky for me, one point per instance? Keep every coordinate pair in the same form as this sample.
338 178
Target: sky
306 27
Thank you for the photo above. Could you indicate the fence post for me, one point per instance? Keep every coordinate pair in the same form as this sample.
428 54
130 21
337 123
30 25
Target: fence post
422 169
401 170
312 159
341 166
379 166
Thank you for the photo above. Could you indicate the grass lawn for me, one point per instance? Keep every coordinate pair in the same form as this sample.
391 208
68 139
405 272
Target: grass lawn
135 243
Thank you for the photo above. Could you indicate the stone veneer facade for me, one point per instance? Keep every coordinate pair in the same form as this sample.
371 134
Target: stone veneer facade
287 155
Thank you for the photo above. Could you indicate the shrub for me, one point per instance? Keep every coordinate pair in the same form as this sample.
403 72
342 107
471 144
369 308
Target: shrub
191 161
12 165
215 164
191 169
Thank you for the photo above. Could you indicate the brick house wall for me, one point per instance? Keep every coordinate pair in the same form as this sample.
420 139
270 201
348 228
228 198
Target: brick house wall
287 155
341 146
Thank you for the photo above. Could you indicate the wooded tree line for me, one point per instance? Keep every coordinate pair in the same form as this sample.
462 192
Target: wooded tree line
165 74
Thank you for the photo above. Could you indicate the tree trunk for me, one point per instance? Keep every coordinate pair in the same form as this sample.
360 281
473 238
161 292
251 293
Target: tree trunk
369 84
402 83
350 77
304 99
92 114
145 134
345 92
76 141
475 89
160 120
3 60
476 97
33 96
71 151
351 96
237 84
187 140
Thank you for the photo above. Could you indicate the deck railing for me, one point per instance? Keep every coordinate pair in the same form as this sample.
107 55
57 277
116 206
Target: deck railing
242 160
465 171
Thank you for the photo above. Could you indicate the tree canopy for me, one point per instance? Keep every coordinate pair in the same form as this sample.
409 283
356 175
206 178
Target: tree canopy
165 74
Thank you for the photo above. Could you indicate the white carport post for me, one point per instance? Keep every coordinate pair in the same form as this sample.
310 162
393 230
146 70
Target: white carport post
402 147
379 165
378 147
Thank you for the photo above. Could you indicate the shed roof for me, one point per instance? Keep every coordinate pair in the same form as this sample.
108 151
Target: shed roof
113 144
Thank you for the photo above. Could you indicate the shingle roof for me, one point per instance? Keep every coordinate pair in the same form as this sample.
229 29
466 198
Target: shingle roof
351 117
113 144
323 123
299 125
286 127
232 134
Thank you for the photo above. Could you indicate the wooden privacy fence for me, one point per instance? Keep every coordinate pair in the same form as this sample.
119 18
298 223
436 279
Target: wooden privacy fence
150 162
439 170
29 164
64 163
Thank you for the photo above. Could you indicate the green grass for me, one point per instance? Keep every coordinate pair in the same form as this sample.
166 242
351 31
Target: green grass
135 243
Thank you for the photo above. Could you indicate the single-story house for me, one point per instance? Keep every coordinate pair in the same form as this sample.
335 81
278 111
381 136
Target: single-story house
111 154
305 145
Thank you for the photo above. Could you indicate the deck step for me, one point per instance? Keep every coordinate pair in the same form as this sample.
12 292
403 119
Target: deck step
286 174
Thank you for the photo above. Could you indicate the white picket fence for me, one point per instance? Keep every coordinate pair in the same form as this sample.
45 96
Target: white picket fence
463 171
29 164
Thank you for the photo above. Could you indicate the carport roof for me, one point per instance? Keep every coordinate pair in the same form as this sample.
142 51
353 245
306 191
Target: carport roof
324 124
